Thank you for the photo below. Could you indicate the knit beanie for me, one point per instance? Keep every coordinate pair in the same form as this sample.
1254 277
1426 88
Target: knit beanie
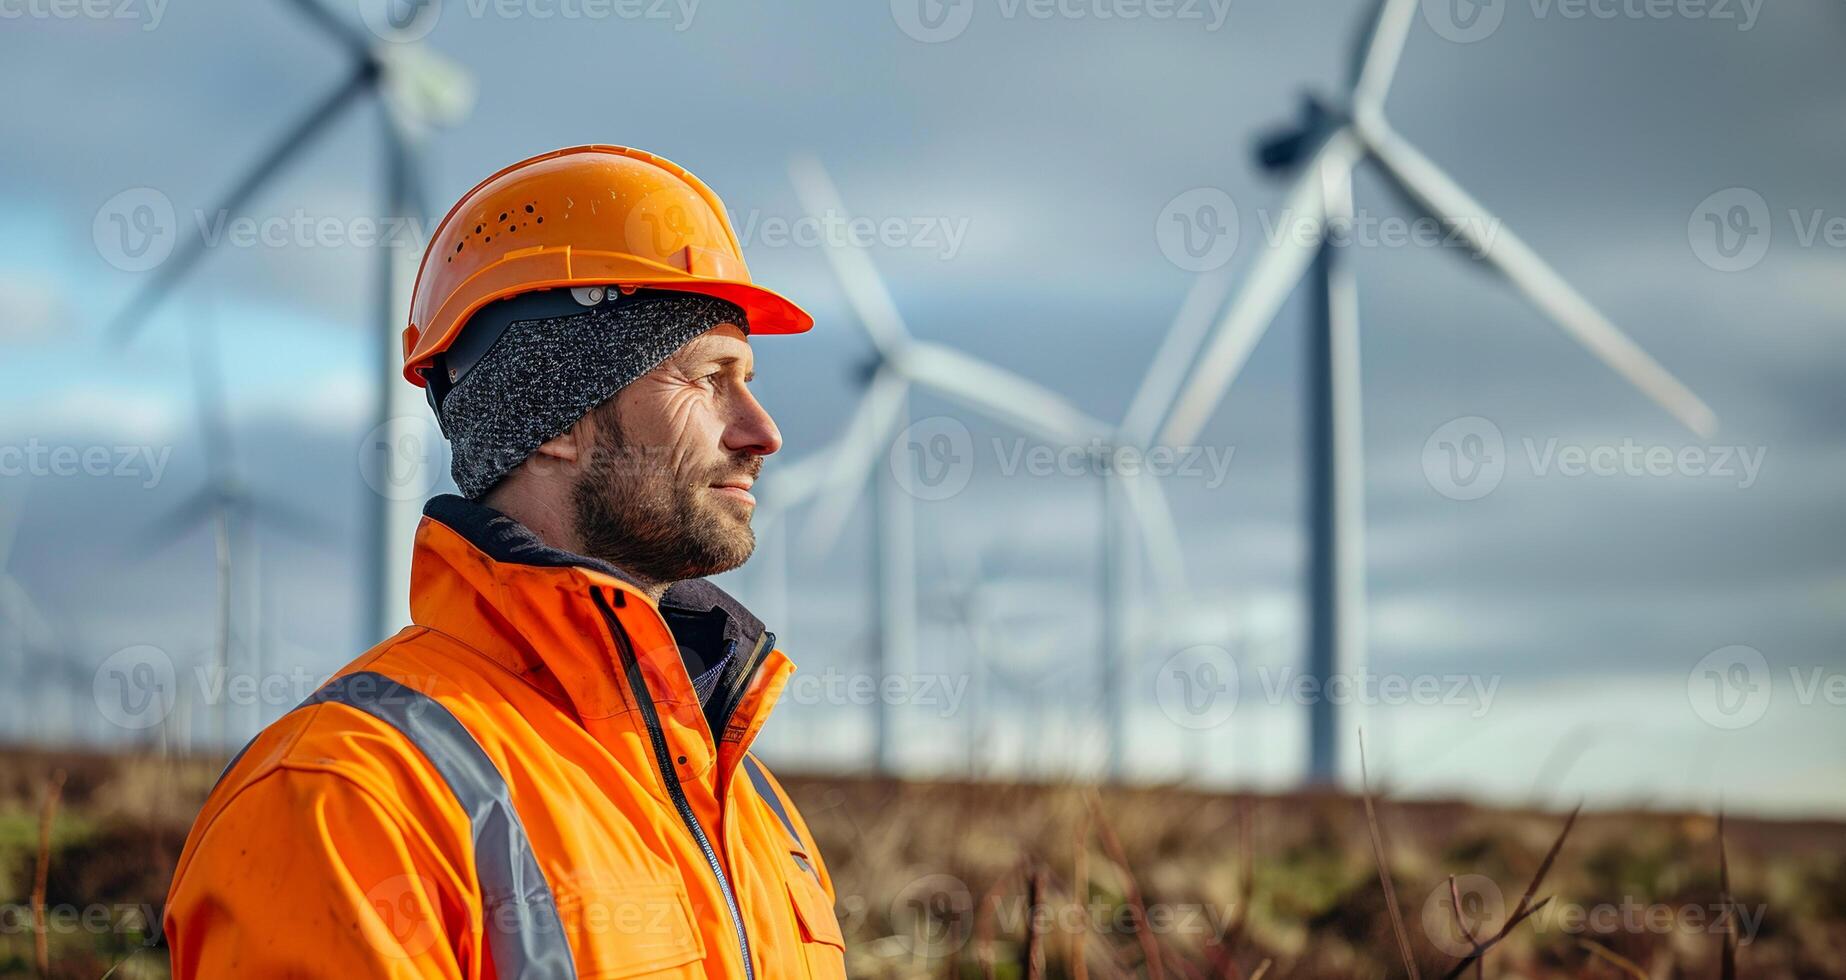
542 375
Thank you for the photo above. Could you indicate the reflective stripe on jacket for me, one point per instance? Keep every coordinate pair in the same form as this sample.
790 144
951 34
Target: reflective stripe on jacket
523 784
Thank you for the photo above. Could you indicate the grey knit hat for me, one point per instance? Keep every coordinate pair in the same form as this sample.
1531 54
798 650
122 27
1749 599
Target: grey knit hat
542 375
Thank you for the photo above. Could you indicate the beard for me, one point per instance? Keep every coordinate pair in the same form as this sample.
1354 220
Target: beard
633 512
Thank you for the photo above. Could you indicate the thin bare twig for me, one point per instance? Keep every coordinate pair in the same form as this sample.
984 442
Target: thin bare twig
1384 870
1613 958
1461 922
1150 947
1727 964
1526 907
54 788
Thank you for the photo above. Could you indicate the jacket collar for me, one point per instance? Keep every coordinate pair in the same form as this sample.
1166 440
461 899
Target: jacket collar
489 582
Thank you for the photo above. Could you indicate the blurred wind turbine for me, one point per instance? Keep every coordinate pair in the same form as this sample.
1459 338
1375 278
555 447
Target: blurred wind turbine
27 639
901 360
1330 141
416 90
225 502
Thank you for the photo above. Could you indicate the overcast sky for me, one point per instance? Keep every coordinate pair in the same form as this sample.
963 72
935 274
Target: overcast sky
1679 163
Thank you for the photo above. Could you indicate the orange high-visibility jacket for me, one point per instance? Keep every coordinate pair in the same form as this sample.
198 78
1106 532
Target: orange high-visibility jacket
524 784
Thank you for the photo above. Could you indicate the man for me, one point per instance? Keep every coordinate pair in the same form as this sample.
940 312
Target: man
548 773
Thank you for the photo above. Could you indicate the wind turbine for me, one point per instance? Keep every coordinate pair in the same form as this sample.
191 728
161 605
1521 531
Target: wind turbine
901 360
27 638
415 91
224 502
1332 139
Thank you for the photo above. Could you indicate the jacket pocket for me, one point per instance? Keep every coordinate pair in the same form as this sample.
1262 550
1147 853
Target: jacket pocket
822 945
637 930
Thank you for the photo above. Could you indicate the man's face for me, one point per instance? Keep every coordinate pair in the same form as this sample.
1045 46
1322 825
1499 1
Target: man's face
665 493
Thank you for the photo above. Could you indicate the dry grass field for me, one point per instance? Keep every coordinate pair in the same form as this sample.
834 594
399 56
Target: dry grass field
968 880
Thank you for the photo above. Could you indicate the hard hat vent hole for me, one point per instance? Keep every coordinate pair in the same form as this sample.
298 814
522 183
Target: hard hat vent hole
503 216
541 219
477 228
528 209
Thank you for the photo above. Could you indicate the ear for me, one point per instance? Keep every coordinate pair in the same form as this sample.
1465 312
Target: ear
568 447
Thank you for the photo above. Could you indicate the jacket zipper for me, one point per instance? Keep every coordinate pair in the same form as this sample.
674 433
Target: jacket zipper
731 689
669 772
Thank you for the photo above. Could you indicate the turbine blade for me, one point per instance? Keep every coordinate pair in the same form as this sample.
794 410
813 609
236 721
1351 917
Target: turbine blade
189 252
1270 282
1549 291
1383 49
1177 348
196 511
347 35
1159 534
995 391
865 289
289 520
866 440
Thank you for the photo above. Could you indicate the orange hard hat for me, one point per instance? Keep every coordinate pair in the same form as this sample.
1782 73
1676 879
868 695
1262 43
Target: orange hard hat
580 217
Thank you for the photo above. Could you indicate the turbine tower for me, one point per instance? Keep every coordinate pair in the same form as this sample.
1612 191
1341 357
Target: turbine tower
1331 141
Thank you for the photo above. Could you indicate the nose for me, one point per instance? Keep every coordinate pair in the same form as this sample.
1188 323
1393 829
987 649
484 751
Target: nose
751 430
